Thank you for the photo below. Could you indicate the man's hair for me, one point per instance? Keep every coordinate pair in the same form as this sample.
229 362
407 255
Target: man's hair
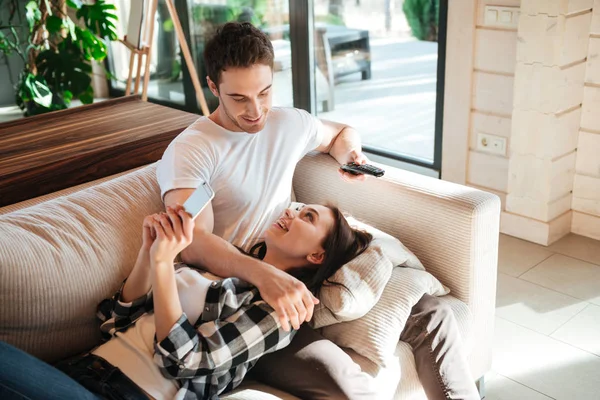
235 45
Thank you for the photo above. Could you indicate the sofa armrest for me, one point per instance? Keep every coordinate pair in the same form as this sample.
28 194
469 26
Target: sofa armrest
453 230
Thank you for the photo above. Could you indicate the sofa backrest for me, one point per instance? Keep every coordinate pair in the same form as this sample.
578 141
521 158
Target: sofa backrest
60 258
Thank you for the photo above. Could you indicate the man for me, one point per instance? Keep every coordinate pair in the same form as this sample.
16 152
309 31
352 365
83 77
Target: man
248 152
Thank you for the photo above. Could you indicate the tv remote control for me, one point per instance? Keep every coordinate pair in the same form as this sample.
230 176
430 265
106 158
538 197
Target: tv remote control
367 169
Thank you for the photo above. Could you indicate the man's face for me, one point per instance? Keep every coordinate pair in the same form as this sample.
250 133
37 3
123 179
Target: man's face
245 95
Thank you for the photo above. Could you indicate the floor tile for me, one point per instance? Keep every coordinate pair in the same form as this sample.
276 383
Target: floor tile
569 276
580 247
544 364
499 387
583 331
533 306
516 256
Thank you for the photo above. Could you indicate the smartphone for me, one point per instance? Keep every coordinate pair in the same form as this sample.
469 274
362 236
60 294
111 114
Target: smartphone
199 199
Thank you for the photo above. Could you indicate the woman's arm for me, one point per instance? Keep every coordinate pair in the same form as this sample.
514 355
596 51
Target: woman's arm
220 345
139 282
167 307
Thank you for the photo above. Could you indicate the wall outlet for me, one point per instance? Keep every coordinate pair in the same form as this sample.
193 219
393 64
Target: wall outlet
491 144
504 17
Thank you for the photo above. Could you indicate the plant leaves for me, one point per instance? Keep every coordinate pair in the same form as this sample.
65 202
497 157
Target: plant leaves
92 46
33 14
71 26
65 69
100 18
67 96
76 4
37 90
54 24
88 96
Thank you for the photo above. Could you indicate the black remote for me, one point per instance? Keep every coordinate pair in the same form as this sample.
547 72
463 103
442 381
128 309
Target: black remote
357 169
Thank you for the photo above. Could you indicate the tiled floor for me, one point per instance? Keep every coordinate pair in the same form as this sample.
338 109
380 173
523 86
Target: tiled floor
547 336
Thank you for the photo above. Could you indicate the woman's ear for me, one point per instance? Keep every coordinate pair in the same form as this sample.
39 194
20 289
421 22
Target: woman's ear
316 258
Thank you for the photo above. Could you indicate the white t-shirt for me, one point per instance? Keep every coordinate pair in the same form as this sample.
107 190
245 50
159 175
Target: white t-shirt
251 174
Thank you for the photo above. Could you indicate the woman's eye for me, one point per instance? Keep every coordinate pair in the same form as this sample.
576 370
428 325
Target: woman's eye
310 216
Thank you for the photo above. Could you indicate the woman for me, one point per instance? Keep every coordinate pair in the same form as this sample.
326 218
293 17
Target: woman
179 332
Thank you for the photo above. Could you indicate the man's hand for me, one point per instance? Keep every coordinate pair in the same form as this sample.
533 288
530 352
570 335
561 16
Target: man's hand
290 298
358 157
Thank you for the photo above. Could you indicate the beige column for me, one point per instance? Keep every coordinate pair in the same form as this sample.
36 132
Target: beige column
586 188
552 47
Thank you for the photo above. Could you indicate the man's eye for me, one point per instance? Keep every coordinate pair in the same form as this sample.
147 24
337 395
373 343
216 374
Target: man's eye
238 100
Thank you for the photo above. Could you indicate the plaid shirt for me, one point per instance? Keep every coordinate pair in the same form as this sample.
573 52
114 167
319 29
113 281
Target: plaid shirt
211 357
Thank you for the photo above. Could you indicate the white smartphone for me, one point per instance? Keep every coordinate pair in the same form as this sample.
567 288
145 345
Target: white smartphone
198 200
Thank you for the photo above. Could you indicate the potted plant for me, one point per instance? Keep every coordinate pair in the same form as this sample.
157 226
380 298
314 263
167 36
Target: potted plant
63 38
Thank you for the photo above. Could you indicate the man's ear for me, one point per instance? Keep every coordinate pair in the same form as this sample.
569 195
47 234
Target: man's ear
213 88
316 258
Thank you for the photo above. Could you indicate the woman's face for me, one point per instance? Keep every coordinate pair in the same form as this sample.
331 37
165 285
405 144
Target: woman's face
299 234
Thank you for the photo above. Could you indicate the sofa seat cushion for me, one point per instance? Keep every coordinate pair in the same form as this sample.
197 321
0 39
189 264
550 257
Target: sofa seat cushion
61 257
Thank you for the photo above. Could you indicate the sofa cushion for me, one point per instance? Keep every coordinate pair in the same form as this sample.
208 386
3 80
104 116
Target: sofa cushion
376 334
61 257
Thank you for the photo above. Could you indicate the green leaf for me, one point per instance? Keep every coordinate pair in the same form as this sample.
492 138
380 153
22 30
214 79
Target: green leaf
72 31
54 24
33 14
88 96
38 91
92 46
100 19
67 96
168 25
4 46
76 4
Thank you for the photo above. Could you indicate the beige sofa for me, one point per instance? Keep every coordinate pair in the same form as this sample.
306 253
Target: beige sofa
62 253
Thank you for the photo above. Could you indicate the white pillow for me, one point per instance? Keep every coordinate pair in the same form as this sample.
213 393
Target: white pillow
363 278
376 335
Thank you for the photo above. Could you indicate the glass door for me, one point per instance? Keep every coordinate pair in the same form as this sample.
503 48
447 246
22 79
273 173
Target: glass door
170 81
379 68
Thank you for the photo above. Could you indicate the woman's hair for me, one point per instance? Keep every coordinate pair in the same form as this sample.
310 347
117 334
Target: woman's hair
342 244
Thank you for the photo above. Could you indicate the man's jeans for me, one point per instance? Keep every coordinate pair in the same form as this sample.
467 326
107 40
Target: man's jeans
22 376
313 367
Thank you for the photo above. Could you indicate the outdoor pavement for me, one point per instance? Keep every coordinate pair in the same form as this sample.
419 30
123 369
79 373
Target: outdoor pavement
395 109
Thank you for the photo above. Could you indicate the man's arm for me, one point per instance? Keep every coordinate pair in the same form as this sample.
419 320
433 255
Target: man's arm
342 142
287 295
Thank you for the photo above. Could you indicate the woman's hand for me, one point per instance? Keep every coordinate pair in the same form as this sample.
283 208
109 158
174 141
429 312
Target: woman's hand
148 233
174 232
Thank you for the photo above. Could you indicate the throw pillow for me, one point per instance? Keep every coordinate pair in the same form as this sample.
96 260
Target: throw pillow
376 335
